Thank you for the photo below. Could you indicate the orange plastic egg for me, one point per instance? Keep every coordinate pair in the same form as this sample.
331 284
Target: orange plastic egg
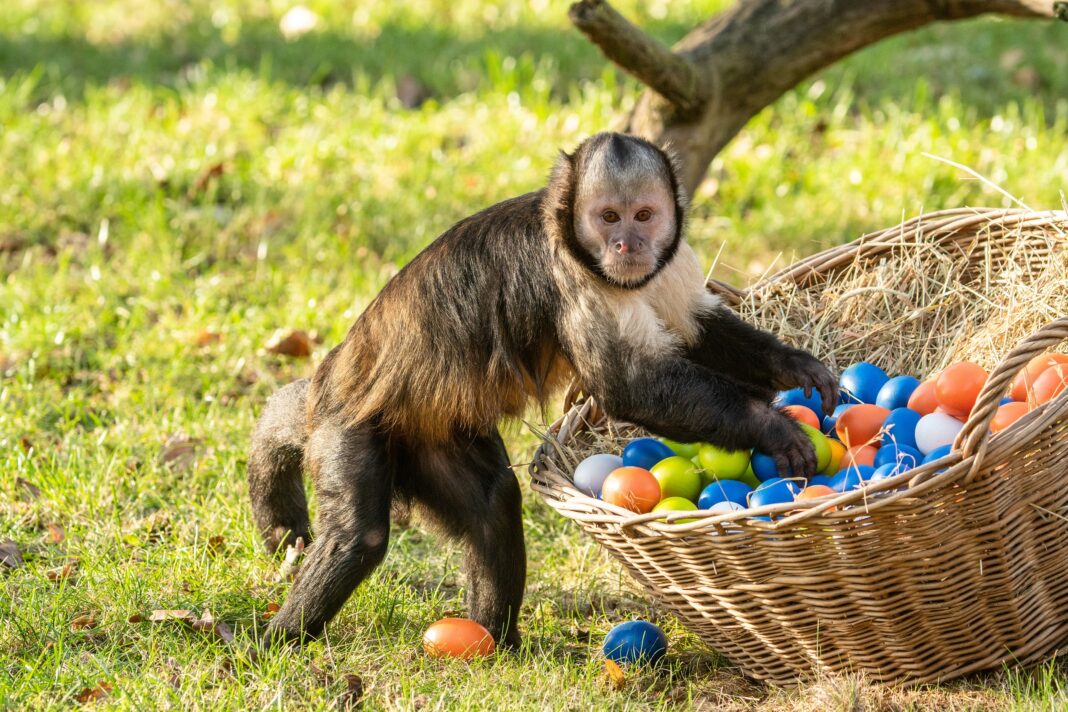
802 414
1025 379
859 455
1050 384
457 638
957 387
1008 414
815 491
631 488
859 424
923 399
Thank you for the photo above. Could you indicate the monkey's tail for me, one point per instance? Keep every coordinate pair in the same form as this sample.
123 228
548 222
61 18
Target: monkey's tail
275 468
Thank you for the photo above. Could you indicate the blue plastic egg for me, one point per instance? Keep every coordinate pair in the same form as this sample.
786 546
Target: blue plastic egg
907 457
851 478
888 470
645 452
899 428
1005 401
635 641
724 491
796 396
895 392
861 382
938 453
820 480
591 472
774 491
764 466
829 421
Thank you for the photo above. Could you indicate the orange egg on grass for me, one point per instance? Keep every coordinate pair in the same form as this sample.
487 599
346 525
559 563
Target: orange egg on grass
1025 379
1050 384
923 399
860 455
957 387
803 415
457 638
1008 414
860 424
631 488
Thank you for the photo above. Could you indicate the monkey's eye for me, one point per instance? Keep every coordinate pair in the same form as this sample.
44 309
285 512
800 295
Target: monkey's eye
610 216
643 215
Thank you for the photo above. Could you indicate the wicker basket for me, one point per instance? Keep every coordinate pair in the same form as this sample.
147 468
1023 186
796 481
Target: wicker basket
928 575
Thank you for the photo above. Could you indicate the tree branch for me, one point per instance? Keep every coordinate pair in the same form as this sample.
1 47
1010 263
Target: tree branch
649 61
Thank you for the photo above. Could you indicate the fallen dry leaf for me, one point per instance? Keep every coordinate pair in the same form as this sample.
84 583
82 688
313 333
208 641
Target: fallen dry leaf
615 673
91 694
272 608
215 544
171 614
135 618
56 533
295 344
28 488
207 336
353 693
174 673
180 452
85 620
64 572
10 556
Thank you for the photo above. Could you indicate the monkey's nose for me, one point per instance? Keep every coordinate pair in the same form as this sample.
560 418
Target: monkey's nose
628 245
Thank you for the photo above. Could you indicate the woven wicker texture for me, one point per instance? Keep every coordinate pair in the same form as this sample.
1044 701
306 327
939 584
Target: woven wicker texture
924 576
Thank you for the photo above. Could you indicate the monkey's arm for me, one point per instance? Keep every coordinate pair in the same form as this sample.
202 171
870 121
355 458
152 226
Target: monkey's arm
726 344
674 397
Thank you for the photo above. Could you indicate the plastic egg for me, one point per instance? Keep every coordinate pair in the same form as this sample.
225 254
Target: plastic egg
861 382
726 507
830 421
834 462
860 424
899 428
1050 384
860 455
591 472
802 415
814 491
796 396
819 445
888 470
819 480
645 452
851 478
676 504
677 477
764 466
632 488
896 392
719 463
774 491
907 457
724 491
457 638
635 641
937 454
923 400
687 450
1025 379
935 430
1008 414
957 387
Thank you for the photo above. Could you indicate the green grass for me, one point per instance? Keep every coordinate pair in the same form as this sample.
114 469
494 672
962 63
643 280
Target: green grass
119 245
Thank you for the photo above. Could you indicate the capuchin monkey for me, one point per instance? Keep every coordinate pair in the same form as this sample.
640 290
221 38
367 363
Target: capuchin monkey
588 277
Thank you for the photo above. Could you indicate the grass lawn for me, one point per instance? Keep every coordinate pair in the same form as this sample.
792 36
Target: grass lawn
180 181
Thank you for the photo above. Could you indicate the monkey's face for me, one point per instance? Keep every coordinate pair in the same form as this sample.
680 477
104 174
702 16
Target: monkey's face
626 228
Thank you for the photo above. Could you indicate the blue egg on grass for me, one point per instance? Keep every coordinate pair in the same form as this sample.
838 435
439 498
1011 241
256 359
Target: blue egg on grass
724 491
796 396
895 392
645 452
764 466
904 455
592 472
820 480
851 478
899 428
635 641
862 382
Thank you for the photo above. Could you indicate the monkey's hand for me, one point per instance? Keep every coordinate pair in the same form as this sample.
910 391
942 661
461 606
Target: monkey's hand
782 438
799 369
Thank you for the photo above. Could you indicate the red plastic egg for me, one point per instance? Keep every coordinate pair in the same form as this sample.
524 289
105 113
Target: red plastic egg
1008 414
457 638
803 415
957 387
859 424
923 399
859 455
631 488
1050 384
1025 379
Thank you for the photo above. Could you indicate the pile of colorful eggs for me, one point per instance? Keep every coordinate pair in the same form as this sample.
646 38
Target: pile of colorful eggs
881 427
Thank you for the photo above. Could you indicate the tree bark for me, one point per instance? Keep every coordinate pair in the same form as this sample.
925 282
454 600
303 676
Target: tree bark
702 91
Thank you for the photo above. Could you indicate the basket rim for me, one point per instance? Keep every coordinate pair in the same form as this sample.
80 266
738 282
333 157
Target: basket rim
973 447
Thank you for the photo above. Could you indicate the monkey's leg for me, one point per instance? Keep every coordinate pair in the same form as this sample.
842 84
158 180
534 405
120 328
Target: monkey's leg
353 484
275 468
469 488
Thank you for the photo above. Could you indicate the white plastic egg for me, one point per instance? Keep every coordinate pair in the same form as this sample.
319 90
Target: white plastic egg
935 430
591 472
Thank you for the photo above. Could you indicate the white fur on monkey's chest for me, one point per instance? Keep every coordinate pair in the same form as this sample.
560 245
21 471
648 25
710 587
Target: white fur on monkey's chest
663 315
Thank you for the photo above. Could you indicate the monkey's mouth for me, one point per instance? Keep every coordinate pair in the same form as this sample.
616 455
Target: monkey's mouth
627 269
